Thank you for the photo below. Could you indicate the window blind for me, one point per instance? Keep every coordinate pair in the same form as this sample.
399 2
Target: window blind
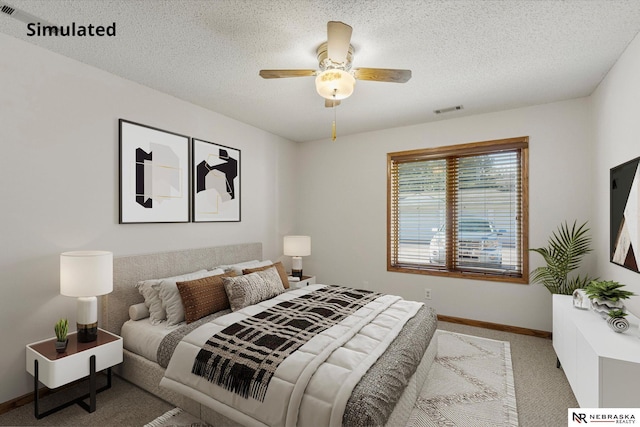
459 209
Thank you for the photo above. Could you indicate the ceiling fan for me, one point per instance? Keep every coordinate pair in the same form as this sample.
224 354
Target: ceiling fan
335 80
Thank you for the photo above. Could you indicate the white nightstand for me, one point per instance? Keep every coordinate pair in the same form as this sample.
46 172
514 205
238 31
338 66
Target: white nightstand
305 281
80 360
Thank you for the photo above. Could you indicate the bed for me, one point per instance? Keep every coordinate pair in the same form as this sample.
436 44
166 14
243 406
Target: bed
382 390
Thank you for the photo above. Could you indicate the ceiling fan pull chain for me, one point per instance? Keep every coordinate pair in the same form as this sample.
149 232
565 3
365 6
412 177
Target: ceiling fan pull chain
333 125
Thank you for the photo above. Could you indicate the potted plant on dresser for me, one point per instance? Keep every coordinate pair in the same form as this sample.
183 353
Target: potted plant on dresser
61 328
606 295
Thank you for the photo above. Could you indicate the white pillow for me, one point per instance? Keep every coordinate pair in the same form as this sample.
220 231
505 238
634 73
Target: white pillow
170 295
138 311
149 290
242 265
152 301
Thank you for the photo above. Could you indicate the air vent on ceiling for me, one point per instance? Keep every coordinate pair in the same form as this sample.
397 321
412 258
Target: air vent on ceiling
20 15
7 9
448 109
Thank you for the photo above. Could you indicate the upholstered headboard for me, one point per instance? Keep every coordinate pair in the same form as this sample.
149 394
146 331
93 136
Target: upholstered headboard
129 270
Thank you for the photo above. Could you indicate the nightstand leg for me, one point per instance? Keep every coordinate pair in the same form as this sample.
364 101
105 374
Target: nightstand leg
35 390
91 407
92 382
93 391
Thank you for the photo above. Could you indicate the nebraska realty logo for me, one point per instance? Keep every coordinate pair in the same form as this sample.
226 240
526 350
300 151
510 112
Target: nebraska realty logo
579 416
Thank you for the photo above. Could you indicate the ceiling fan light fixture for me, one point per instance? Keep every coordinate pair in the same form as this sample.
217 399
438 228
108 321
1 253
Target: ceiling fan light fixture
335 84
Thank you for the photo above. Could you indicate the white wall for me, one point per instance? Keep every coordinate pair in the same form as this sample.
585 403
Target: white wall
343 206
616 104
59 190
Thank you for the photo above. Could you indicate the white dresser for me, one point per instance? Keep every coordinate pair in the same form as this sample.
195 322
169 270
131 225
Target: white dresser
602 366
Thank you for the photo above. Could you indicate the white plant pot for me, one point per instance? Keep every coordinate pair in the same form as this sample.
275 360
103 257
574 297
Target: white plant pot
602 306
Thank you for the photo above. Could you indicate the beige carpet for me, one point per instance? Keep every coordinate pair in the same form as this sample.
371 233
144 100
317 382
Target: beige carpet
470 384
122 405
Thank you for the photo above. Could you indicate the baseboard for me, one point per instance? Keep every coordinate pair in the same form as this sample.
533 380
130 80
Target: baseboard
17 402
495 326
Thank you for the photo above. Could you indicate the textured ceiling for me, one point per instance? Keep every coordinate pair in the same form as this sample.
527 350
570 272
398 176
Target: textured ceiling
485 55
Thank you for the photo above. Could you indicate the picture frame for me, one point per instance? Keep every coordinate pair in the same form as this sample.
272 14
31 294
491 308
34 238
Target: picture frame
625 215
216 191
153 175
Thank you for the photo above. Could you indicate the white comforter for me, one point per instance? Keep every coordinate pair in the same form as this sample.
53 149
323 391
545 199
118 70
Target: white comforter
312 386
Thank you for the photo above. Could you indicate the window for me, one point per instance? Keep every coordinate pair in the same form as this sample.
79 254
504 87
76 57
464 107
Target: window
460 211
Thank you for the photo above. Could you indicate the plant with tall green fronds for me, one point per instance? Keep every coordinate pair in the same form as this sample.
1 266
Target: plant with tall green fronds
567 246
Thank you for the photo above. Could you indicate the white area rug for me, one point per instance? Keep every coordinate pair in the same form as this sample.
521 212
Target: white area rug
176 418
469 384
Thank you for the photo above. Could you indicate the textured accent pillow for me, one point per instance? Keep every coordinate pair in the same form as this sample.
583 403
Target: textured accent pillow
252 288
272 281
242 265
281 272
170 296
202 297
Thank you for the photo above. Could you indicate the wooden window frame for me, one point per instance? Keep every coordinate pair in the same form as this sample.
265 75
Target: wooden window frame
450 152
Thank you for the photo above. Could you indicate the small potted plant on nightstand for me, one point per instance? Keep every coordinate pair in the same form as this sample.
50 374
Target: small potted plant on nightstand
606 295
616 320
61 328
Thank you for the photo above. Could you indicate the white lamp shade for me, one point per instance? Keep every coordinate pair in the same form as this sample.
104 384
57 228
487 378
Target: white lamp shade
297 245
86 273
335 84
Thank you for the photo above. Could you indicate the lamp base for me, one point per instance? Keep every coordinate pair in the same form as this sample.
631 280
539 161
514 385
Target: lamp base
296 267
87 333
87 320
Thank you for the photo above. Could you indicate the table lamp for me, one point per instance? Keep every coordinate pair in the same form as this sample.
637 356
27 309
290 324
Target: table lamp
297 247
86 274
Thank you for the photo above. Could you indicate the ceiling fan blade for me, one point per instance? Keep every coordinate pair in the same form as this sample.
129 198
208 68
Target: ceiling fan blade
382 75
329 103
278 74
338 40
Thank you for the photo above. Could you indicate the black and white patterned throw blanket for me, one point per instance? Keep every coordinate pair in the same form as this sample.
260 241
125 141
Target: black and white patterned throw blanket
243 357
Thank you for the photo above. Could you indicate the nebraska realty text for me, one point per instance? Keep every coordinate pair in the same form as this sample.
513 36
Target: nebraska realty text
73 30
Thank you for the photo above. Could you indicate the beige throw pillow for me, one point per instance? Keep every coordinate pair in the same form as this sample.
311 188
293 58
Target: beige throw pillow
252 288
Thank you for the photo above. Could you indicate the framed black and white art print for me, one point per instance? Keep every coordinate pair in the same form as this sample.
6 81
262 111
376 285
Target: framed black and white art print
154 175
625 214
216 182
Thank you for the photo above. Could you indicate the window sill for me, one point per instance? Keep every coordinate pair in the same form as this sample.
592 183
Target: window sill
461 275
